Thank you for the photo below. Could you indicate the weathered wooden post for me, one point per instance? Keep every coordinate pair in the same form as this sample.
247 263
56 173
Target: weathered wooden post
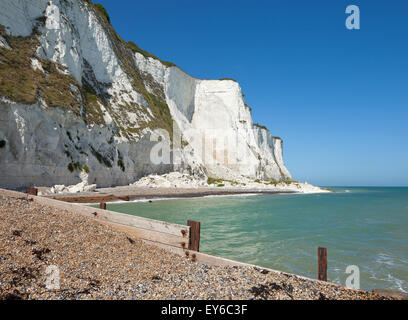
322 261
194 241
32 191
102 205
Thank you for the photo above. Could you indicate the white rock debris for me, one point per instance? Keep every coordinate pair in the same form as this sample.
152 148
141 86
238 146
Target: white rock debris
171 180
83 186
3 43
36 65
179 180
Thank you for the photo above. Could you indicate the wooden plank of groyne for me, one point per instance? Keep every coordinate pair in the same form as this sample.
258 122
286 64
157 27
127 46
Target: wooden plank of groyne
208 259
106 215
198 257
97 198
152 236
194 241
33 191
138 194
322 261
142 223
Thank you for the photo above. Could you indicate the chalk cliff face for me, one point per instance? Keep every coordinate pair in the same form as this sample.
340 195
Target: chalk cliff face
77 103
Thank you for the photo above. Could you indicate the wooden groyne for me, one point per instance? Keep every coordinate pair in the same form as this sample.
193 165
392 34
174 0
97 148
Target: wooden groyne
175 238
183 240
145 193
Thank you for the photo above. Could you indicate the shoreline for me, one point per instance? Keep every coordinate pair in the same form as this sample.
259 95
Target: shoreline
172 185
129 194
34 235
142 200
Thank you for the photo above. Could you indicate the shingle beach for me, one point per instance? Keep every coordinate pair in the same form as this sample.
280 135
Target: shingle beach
96 261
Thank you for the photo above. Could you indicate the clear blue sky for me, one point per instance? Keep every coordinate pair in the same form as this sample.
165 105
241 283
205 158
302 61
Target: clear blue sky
338 98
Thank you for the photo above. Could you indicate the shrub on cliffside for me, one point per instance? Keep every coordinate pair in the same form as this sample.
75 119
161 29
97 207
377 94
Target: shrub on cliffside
102 11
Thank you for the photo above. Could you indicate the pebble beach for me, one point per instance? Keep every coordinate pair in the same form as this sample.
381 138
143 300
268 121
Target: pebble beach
97 261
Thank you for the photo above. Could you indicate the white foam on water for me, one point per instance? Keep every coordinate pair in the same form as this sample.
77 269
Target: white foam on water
138 200
383 258
381 272
242 195
395 282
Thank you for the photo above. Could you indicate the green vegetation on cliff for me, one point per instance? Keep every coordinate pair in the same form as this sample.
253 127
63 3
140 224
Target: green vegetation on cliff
21 82
77 166
135 48
259 126
102 11
156 100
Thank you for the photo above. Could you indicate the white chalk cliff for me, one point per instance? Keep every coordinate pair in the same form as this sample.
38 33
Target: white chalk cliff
86 104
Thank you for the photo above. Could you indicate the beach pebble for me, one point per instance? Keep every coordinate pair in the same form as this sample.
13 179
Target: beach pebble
96 261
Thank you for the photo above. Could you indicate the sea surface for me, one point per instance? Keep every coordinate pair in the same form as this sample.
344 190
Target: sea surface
361 226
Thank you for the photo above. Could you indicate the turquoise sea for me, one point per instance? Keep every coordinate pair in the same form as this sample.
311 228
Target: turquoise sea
366 227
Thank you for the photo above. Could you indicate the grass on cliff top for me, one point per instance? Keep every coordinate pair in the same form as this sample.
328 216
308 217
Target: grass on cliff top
231 79
102 11
135 48
259 126
265 128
